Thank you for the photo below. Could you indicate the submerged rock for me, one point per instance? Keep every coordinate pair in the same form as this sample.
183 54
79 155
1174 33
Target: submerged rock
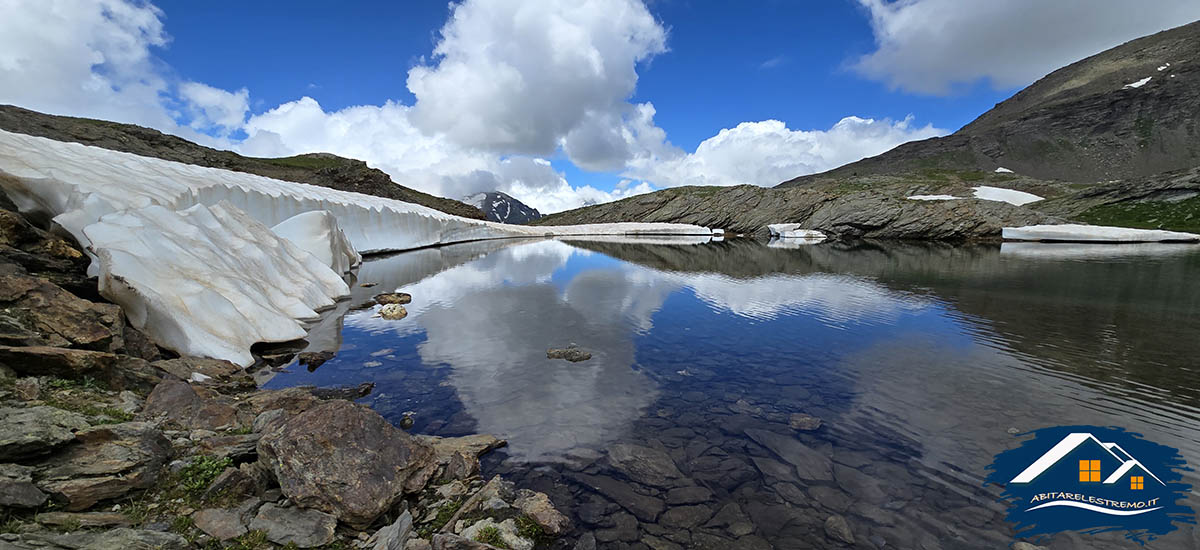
645 465
837 529
572 354
804 422
346 460
646 508
811 465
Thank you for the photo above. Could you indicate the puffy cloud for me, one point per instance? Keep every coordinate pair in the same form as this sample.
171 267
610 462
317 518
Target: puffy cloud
214 108
767 152
930 46
83 58
385 137
524 77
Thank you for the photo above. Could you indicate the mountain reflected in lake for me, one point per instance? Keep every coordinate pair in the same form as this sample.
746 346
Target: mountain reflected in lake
921 361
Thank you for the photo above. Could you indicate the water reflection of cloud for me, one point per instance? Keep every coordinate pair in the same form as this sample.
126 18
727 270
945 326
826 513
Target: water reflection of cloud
833 299
492 319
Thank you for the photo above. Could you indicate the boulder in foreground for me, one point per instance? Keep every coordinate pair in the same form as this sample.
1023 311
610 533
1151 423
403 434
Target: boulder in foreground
346 460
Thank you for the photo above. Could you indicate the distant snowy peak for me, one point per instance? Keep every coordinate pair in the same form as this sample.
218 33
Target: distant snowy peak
500 207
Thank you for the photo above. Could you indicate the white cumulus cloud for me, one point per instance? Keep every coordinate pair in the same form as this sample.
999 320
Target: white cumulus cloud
767 152
932 46
526 76
214 108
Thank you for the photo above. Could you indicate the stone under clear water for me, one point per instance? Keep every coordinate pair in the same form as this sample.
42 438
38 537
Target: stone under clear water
921 362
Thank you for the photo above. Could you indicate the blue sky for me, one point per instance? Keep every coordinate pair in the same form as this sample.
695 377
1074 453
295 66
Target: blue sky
560 103
762 60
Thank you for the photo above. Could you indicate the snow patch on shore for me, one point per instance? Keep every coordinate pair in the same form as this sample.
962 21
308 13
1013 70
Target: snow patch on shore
999 194
793 231
1094 233
1139 83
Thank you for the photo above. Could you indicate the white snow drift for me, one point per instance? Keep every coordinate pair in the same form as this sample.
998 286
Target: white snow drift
188 252
986 193
793 231
317 233
1094 233
1011 196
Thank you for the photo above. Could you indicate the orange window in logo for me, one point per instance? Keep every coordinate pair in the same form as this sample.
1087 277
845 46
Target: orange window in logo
1136 482
1089 471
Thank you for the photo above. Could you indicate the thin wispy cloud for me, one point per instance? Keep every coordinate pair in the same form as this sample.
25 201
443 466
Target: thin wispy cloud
773 62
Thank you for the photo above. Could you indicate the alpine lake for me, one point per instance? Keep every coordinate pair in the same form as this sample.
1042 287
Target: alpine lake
740 394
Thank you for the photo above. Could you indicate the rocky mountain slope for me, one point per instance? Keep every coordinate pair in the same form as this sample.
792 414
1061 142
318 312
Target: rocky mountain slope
1113 139
1127 112
322 169
502 207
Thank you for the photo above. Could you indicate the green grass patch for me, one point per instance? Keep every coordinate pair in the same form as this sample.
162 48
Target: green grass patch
491 535
1172 216
307 162
443 517
529 528
81 405
85 383
194 480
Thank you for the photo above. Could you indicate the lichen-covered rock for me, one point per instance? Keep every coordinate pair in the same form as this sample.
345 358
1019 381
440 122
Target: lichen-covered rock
393 312
446 541
58 318
36 430
184 406
184 367
17 489
105 462
393 298
220 523
118 372
395 536
345 459
304 528
538 507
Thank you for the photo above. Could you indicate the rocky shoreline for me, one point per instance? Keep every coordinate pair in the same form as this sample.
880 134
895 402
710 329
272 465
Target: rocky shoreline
107 441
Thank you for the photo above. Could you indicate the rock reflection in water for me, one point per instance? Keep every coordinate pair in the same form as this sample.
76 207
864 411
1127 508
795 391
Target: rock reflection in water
919 359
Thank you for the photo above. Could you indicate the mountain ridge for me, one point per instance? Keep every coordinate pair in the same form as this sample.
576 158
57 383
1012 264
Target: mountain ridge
1095 139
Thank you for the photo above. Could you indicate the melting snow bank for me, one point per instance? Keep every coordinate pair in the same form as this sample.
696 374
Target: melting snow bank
209 280
1000 194
793 231
188 251
1094 233
317 233
986 193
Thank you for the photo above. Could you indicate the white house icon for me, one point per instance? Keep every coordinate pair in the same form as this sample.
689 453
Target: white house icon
1072 442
